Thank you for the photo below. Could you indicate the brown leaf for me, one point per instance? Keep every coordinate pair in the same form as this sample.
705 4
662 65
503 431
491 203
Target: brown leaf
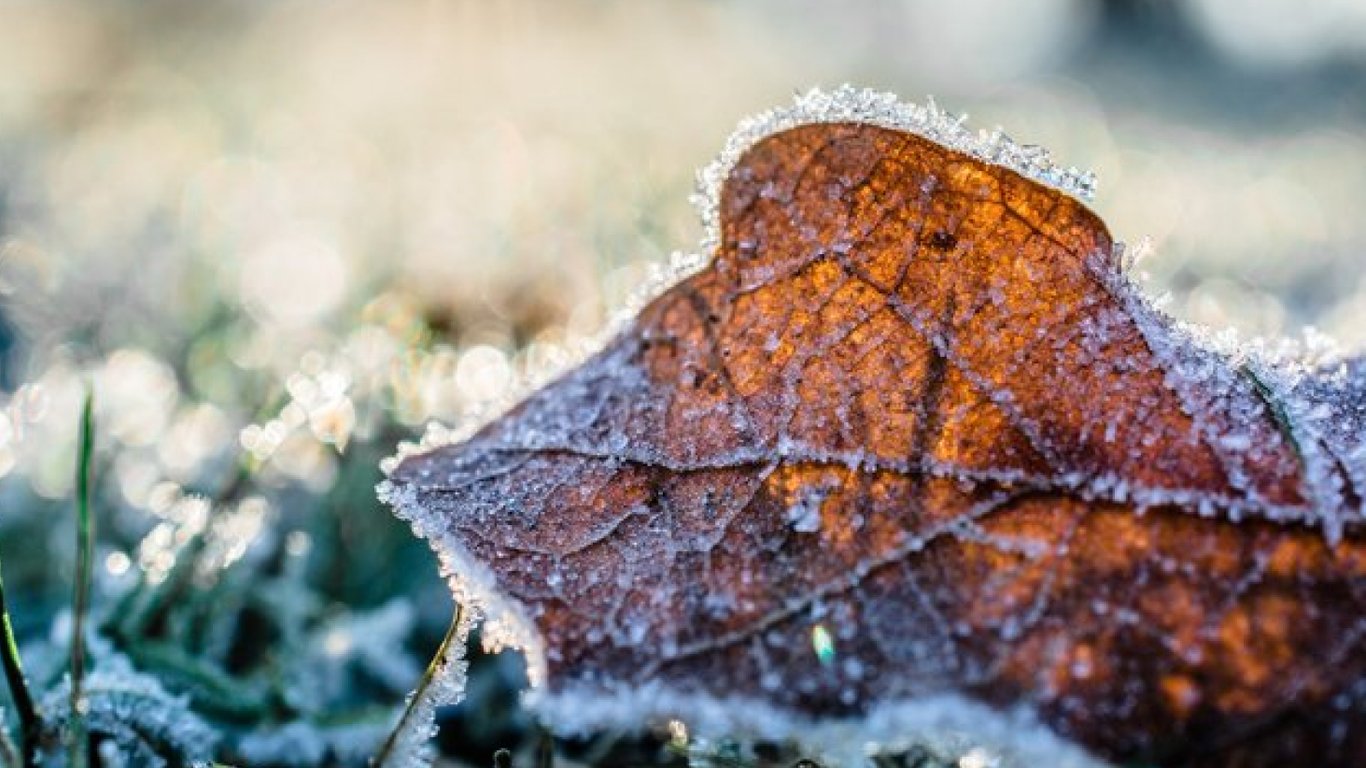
914 411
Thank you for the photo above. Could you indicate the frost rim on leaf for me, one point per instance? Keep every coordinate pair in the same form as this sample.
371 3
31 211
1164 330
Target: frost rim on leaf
847 104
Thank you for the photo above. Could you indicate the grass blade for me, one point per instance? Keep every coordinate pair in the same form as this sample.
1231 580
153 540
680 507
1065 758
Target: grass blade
85 545
18 684
418 700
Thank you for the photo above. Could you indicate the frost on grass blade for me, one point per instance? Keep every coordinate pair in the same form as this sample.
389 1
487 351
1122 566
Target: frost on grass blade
911 442
413 745
136 720
409 743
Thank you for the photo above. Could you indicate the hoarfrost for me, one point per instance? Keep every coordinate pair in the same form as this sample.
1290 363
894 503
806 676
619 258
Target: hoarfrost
138 721
410 744
1317 397
847 104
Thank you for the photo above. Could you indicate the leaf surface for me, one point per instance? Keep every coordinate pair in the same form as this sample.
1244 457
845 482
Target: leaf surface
913 409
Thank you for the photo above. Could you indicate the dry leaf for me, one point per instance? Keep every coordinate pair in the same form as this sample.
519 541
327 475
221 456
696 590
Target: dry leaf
910 434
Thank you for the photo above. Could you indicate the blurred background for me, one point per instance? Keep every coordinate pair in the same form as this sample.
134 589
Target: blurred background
281 236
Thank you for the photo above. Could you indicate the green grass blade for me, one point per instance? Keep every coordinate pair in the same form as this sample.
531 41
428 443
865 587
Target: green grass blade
85 545
14 676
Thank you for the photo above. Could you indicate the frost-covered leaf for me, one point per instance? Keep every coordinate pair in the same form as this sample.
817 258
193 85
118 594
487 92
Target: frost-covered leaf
911 449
